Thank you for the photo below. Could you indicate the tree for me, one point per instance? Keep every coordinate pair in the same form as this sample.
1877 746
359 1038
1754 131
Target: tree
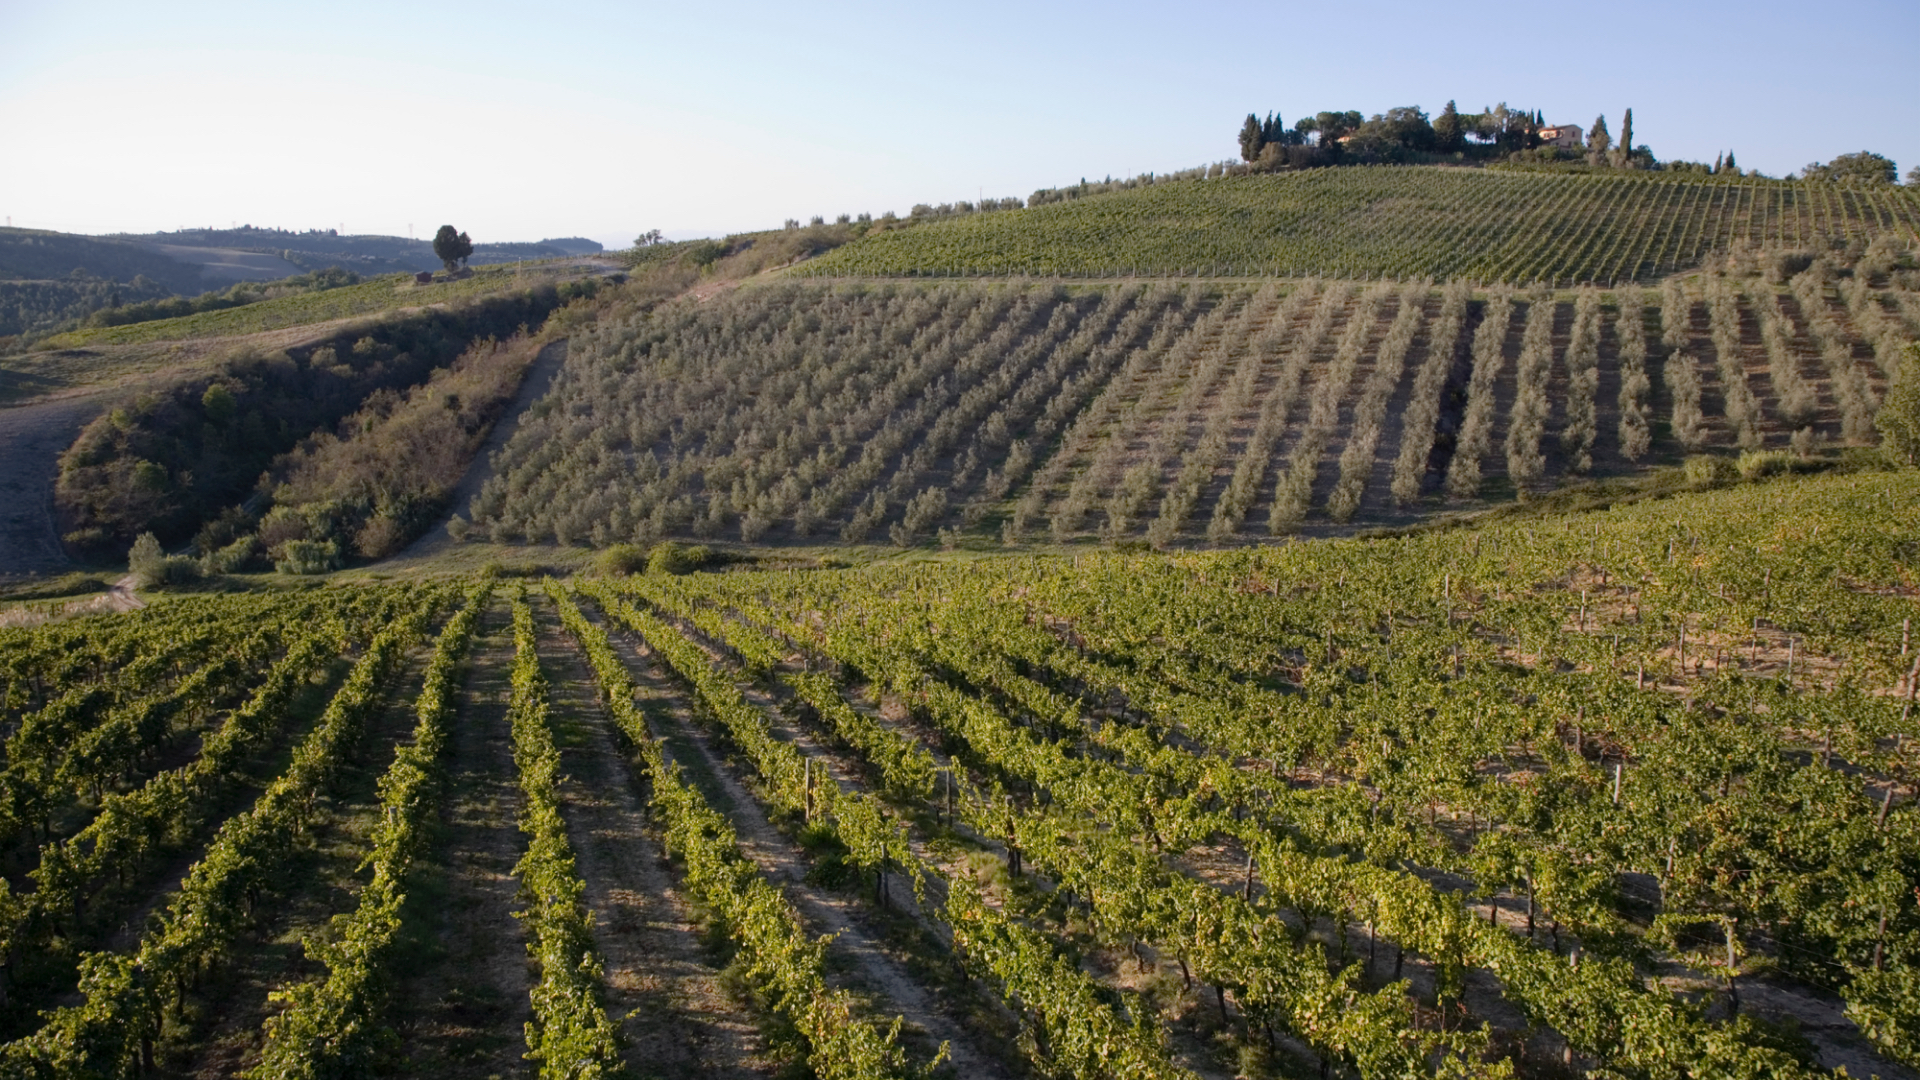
1598 142
219 403
146 559
1864 167
1273 132
649 238
1623 153
1913 176
1252 139
451 247
1449 134
1731 167
1899 418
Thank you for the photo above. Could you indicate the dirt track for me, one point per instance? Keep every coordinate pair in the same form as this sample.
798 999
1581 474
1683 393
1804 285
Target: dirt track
31 440
539 378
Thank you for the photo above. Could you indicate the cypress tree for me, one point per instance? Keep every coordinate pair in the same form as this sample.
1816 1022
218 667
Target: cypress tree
1251 138
1274 130
1731 167
1719 162
1448 131
1623 154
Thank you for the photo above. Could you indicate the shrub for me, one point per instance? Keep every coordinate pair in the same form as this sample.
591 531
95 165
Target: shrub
145 558
380 537
1899 417
1754 464
621 559
232 558
307 557
1706 470
670 558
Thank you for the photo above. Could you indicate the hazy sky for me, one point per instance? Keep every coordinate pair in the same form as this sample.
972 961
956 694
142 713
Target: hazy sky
522 121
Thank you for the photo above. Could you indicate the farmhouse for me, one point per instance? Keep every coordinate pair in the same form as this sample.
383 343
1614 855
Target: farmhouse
1563 135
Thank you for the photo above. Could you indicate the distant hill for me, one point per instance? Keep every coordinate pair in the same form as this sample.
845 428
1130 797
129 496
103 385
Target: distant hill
50 278
1392 221
38 255
576 245
317 249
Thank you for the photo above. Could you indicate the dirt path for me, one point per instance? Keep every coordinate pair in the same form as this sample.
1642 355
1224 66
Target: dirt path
663 987
856 945
466 1001
538 380
32 438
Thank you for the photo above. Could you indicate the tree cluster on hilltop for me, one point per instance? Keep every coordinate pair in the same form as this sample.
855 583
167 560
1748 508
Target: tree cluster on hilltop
1403 134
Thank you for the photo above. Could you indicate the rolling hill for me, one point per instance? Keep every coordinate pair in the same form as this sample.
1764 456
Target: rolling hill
1485 225
1175 412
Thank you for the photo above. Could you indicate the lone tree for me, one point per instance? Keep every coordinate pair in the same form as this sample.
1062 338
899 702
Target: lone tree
451 247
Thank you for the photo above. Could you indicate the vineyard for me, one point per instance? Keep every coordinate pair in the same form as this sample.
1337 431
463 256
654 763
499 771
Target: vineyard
1623 792
1175 413
1392 221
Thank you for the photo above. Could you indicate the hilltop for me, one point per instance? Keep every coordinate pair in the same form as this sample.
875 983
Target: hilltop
1396 221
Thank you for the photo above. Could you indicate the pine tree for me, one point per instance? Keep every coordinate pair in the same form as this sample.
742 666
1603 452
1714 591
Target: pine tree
1731 167
1598 142
1251 139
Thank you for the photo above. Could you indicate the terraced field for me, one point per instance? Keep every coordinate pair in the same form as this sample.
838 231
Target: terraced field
1623 792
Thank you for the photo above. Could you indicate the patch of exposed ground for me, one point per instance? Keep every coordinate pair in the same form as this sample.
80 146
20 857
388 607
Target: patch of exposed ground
663 987
463 1004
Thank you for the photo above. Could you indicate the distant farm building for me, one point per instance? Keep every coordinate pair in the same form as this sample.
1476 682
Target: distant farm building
1562 135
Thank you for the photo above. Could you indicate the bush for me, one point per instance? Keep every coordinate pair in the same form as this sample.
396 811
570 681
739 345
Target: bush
1706 470
307 557
380 537
621 559
91 539
1754 464
1899 416
458 528
670 558
146 559
151 566
233 558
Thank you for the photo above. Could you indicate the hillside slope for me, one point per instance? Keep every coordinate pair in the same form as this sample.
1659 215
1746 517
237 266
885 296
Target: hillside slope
1392 221
1178 414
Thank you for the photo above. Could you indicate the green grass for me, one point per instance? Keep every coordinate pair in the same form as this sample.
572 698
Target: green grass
367 298
1392 221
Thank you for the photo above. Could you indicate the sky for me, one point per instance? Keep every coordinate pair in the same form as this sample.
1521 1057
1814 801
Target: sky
519 121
